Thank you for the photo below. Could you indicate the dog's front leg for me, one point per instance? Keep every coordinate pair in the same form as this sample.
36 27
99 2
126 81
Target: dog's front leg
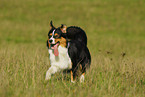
51 71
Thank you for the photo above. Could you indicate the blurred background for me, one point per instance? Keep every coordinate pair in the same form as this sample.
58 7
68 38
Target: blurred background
107 23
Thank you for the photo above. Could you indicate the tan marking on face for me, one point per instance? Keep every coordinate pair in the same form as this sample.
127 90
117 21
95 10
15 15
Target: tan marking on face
50 34
55 34
62 41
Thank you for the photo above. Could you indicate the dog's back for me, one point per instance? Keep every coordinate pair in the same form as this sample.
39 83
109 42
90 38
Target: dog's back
76 33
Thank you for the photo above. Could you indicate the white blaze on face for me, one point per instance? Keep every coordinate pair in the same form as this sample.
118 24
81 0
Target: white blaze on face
52 37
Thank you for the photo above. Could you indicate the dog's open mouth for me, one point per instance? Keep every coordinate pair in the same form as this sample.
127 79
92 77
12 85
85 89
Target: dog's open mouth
55 48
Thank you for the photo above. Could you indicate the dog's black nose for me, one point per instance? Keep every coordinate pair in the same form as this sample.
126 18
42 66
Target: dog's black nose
50 41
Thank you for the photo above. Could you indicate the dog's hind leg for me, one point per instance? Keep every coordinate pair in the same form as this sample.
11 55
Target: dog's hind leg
73 73
83 70
72 79
82 77
84 65
50 71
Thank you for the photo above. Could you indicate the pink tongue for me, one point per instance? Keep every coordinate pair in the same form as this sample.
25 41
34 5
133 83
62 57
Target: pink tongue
56 53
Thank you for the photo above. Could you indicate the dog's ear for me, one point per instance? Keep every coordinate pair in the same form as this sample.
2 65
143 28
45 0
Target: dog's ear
63 28
51 25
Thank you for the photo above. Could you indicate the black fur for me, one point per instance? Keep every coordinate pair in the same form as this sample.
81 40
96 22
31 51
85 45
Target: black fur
79 55
72 33
76 33
77 48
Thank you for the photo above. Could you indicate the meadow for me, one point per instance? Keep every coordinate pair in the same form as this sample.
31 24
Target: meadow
116 40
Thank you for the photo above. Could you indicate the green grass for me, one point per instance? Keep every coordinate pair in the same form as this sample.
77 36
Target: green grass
113 27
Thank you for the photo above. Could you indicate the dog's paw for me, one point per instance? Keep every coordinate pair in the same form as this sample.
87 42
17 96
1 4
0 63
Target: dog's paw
82 78
73 81
48 77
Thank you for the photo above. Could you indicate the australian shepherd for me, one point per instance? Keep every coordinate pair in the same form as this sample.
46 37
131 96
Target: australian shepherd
68 50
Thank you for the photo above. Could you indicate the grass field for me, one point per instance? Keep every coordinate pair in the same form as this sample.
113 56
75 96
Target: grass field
116 40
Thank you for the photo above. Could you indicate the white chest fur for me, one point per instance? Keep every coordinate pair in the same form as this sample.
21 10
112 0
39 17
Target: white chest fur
62 61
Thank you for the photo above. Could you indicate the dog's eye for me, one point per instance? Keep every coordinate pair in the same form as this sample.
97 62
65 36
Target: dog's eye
56 36
50 36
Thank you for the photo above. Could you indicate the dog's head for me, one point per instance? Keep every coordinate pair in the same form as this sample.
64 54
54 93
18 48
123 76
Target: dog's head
55 37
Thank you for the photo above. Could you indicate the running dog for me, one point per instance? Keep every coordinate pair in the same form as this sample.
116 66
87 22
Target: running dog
67 52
